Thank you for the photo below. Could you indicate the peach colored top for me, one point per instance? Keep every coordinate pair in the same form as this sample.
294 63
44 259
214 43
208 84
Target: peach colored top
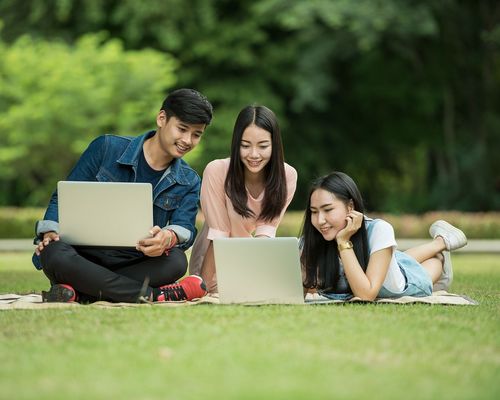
221 220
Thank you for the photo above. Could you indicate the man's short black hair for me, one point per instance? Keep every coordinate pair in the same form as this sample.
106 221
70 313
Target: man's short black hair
188 105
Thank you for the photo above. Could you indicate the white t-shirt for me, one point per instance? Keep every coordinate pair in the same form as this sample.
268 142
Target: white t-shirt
381 236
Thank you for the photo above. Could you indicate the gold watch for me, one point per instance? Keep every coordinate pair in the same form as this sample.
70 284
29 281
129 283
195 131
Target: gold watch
345 245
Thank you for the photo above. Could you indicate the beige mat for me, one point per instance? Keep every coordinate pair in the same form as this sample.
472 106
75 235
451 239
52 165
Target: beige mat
439 297
34 301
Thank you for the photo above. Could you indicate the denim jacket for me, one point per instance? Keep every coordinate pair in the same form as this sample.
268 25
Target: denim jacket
111 158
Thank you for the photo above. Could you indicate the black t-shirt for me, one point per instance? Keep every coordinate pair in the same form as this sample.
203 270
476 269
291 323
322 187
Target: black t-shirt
147 174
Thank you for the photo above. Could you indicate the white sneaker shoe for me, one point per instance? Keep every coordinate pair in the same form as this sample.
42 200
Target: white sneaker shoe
446 278
453 237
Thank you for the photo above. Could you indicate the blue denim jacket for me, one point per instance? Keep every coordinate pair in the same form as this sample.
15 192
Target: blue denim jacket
111 158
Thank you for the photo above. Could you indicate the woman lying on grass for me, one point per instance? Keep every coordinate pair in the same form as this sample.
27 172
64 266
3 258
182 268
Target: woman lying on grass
347 254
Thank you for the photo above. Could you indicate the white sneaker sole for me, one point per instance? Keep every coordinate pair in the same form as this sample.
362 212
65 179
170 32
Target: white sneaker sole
446 278
453 237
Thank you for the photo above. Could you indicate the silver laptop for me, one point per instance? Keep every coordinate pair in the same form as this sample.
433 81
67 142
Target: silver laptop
258 270
111 214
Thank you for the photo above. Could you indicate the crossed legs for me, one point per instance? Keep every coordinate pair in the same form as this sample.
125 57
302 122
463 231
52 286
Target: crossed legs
429 255
108 274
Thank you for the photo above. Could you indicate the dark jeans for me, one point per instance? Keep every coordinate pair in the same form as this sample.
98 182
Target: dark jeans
110 274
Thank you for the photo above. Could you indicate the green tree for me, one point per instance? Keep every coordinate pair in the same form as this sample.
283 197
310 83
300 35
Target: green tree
403 95
54 98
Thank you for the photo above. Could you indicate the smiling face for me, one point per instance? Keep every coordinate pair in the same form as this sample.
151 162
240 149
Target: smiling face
255 149
328 213
175 137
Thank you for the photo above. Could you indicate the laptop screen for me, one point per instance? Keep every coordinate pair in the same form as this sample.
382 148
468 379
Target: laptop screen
114 214
258 270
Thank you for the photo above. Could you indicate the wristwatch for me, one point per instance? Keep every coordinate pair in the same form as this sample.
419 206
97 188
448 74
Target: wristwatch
345 245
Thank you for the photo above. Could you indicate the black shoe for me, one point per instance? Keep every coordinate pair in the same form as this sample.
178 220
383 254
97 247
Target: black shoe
59 293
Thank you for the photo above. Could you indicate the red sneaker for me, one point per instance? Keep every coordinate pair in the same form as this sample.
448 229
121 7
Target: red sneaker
189 288
59 293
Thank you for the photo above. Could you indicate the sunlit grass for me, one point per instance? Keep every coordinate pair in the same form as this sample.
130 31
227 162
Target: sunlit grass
278 352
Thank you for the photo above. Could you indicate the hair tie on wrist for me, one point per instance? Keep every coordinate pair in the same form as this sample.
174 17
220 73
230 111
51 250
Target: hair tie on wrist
172 243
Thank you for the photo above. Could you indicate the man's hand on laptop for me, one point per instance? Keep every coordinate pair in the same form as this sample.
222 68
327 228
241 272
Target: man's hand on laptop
160 241
47 238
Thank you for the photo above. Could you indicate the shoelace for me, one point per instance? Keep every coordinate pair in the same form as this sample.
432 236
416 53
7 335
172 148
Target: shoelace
174 292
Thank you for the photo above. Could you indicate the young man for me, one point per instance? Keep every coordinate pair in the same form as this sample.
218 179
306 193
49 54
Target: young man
149 272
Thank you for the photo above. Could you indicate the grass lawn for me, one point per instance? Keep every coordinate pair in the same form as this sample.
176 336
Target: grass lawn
271 352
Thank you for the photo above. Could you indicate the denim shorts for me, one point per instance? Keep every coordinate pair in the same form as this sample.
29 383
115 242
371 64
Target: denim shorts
418 280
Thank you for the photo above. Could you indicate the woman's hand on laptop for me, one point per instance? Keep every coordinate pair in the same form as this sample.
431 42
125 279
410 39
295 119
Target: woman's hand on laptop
160 241
47 238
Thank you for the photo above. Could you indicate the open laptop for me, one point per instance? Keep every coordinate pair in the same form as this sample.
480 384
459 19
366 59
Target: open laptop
111 214
258 270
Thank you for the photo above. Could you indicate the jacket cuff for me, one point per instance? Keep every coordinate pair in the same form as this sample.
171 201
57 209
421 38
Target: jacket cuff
44 226
183 234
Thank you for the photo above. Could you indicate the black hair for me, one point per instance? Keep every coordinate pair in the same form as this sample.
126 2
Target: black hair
188 105
320 258
275 187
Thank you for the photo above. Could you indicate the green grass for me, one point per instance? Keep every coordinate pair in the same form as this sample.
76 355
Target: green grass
278 352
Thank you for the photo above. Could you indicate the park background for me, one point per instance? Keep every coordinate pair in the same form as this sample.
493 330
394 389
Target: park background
404 95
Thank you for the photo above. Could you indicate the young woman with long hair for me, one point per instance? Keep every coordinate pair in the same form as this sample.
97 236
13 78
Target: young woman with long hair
346 254
244 195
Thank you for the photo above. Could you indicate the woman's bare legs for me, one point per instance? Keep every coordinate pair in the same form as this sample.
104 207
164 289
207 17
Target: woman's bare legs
434 267
427 250
207 272
430 257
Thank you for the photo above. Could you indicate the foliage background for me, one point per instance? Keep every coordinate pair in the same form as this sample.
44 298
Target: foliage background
403 95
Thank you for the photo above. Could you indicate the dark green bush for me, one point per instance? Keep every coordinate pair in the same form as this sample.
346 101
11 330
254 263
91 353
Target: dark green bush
20 223
411 226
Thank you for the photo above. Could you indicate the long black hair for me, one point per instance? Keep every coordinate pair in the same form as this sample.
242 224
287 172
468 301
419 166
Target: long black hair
275 186
320 258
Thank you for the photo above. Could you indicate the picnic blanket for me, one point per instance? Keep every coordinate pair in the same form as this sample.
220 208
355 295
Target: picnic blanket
34 302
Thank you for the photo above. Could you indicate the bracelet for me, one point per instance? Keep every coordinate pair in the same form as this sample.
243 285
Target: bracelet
173 241
345 245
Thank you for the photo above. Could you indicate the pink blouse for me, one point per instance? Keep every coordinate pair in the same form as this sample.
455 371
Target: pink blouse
221 220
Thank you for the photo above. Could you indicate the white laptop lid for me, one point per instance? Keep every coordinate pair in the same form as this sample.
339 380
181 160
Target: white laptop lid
258 270
104 213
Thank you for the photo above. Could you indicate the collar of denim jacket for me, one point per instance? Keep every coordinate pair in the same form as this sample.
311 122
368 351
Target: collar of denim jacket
131 157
